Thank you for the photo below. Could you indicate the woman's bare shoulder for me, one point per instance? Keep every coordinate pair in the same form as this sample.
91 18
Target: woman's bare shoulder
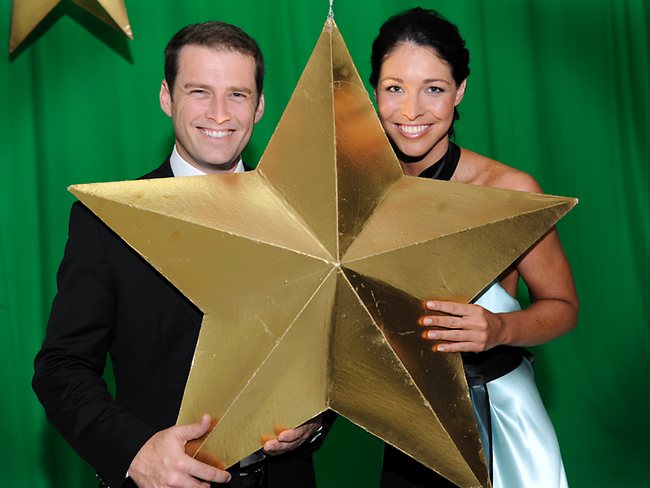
476 169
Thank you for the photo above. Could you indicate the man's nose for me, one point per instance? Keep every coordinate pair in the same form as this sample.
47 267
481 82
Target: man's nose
217 110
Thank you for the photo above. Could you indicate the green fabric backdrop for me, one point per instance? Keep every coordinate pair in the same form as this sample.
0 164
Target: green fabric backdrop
559 88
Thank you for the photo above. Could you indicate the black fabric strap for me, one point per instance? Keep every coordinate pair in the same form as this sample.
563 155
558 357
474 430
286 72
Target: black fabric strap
481 401
483 367
444 168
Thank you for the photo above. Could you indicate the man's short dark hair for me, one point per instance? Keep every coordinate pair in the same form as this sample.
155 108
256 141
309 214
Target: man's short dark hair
214 35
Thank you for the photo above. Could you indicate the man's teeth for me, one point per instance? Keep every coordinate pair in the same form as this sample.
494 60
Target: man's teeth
216 134
414 129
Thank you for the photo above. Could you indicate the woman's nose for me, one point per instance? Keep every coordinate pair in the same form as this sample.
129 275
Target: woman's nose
411 106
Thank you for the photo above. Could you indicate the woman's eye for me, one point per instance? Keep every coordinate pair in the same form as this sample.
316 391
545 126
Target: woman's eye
393 89
434 89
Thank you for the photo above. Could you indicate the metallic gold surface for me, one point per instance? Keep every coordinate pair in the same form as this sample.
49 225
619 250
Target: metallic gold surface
27 14
311 273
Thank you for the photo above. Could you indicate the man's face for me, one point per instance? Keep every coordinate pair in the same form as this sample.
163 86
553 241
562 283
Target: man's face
214 106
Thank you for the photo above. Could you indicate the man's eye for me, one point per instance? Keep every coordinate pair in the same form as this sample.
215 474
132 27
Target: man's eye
198 91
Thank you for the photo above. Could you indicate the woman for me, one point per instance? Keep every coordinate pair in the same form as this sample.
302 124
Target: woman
419 73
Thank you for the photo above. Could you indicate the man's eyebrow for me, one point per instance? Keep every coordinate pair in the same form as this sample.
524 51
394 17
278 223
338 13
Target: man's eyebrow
195 85
232 88
243 89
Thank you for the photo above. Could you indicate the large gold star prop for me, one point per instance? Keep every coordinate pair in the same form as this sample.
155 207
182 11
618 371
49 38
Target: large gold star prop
27 14
311 272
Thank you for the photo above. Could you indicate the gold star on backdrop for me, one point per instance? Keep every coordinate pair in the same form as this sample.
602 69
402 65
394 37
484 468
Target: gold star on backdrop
27 14
311 272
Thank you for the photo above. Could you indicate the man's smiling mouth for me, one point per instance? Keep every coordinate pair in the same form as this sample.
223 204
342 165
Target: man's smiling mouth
216 134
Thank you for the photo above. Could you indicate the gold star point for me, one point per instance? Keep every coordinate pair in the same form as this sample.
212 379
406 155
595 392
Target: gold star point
26 15
311 272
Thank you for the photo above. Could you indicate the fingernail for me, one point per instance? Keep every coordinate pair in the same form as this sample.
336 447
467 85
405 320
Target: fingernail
431 304
441 348
432 334
427 321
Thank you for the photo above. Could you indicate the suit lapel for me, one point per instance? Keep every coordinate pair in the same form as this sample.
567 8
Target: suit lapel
162 171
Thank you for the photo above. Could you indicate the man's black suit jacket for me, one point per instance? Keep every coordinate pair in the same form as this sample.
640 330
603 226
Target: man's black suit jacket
110 300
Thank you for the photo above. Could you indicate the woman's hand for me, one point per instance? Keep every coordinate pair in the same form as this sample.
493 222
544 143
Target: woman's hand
464 328
290 439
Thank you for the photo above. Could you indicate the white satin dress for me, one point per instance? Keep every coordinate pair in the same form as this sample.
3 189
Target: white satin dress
525 450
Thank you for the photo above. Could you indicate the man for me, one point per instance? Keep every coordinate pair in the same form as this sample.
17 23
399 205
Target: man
110 301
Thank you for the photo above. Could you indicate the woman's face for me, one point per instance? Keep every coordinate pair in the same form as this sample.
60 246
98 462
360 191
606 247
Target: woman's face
416 95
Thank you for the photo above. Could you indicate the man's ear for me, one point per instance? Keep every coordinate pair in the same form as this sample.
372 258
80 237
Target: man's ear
259 111
460 93
165 98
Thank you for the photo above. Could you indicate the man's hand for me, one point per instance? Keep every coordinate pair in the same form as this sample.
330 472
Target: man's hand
467 327
288 440
162 462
